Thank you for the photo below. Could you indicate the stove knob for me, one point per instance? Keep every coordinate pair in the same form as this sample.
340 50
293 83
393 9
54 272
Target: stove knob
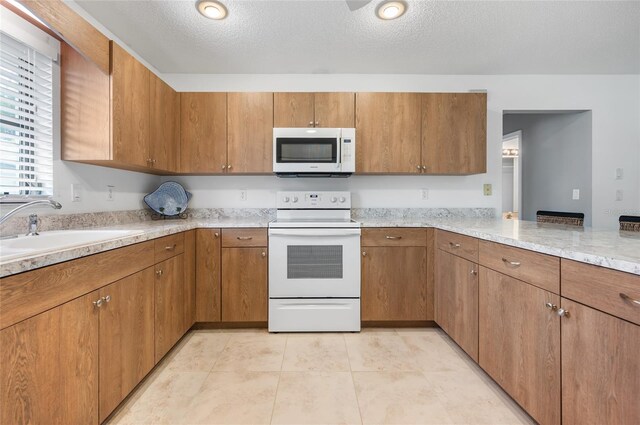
334 199
285 199
342 199
295 199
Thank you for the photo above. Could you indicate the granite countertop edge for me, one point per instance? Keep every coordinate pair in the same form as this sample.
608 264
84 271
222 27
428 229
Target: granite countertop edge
486 229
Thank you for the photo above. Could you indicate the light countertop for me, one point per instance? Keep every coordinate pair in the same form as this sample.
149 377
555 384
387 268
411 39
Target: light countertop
607 248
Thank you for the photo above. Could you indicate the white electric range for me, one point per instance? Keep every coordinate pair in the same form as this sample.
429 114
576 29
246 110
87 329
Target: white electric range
314 264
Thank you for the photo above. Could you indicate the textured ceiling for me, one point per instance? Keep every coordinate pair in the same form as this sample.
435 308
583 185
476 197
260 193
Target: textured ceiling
433 37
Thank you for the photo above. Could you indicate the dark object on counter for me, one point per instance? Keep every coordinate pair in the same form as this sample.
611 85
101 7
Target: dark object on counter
170 199
559 217
630 223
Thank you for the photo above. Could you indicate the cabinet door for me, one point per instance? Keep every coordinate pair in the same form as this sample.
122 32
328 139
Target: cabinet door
169 304
208 289
189 279
164 129
335 110
454 133
456 303
394 283
203 132
49 366
129 108
388 132
293 110
250 133
600 367
126 337
520 342
244 285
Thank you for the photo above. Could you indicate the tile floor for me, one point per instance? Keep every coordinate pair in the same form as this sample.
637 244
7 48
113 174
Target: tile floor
379 376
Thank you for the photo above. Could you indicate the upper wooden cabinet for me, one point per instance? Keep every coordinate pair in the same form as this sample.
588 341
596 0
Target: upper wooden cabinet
129 109
128 119
203 136
250 133
328 110
164 125
454 133
388 132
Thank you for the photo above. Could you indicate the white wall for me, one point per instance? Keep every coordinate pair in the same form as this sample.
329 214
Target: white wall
614 100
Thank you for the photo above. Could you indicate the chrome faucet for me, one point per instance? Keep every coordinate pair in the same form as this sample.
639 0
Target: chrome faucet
33 218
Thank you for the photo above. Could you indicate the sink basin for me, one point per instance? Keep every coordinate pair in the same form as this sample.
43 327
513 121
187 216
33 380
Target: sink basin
24 246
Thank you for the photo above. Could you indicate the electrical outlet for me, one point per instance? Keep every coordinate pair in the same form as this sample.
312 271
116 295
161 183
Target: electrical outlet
424 194
576 194
619 195
76 192
243 195
110 193
619 173
487 189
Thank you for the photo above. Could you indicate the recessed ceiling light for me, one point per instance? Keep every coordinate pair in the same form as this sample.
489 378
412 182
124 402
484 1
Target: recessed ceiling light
212 9
391 10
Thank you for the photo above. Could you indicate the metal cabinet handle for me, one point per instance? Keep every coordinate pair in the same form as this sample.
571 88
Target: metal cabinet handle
562 312
107 298
418 167
98 303
393 237
551 306
310 123
454 245
224 167
424 168
149 160
264 254
216 235
364 253
159 272
244 238
628 298
316 124
229 167
511 263
170 247
474 272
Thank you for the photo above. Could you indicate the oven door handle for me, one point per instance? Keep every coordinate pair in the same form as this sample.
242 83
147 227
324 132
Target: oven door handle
314 232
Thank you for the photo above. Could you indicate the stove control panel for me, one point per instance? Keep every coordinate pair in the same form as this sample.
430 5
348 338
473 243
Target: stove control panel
314 200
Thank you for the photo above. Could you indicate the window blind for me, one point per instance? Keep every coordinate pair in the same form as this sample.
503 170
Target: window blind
26 120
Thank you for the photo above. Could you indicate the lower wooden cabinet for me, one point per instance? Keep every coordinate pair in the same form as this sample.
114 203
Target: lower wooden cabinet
394 283
169 293
126 337
208 291
45 378
519 342
456 300
189 279
244 284
600 367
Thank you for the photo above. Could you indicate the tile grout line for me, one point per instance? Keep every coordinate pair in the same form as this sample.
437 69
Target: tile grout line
275 397
353 381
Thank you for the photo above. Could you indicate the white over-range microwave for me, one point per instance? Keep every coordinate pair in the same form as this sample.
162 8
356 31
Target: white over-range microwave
314 152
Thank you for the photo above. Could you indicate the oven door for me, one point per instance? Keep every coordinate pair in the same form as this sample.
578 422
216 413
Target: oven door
297 150
314 263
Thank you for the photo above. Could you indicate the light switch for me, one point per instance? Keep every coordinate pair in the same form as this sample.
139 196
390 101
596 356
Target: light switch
76 192
576 194
619 195
619 173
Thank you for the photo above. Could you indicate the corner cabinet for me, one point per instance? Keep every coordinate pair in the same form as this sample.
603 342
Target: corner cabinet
110 120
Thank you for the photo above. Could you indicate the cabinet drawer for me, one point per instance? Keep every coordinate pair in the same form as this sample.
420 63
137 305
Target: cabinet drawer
243 237
394 237
601 288
168 246
532 267
456 244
